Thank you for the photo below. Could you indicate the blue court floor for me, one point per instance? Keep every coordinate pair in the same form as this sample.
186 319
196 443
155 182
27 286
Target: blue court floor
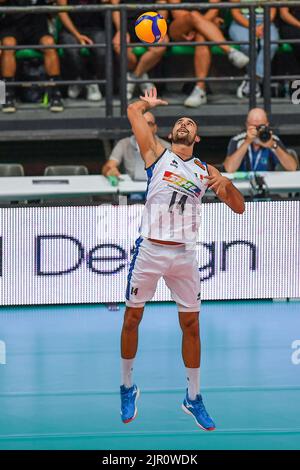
59 388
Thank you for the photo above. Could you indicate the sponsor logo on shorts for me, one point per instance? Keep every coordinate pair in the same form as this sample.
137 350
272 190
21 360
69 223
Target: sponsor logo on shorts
181 182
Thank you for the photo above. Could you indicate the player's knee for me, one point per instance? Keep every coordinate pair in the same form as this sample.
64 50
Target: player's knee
132 319
190 325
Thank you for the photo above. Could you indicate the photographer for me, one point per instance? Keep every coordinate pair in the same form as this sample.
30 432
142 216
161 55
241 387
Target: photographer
257 149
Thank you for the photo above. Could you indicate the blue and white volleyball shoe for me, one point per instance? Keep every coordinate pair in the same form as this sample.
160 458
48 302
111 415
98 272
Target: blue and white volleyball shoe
197 409
129 398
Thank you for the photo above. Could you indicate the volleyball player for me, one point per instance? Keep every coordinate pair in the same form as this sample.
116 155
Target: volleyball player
166 248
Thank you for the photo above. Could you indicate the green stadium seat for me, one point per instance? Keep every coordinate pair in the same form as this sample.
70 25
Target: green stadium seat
179 50
28 54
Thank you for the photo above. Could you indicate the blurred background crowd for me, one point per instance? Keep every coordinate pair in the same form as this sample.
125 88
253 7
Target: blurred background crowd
245 151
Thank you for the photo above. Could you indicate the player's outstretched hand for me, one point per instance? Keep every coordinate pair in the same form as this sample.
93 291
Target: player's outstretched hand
150 97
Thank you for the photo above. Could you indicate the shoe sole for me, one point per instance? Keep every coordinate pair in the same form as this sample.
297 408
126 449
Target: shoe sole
126 421
191 414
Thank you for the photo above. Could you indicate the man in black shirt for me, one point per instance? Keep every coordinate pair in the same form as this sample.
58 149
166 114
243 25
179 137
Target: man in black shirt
25 28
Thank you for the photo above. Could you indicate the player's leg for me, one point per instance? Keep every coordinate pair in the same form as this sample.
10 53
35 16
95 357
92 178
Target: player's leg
183 280
129 344
129 337
191 346
202 62
144 273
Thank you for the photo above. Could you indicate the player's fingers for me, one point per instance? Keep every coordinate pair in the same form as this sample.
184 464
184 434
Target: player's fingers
163 102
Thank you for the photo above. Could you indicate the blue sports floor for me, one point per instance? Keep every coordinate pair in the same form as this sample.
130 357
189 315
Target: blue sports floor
60 386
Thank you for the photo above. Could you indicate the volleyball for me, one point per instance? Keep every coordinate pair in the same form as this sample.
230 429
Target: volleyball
150 27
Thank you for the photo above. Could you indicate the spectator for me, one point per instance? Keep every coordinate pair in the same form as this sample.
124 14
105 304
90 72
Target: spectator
127 152
84 28
239 31
21 29
290 27
138 68
249 151
193 25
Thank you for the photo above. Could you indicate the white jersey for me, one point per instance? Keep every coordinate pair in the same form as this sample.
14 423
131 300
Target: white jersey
173 199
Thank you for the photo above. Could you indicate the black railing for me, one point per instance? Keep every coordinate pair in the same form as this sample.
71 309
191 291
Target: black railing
123 8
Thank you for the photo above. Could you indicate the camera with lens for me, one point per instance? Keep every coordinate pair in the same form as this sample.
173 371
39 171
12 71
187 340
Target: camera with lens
264 133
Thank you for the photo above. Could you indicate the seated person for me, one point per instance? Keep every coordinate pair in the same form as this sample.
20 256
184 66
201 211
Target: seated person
138 67
126 151
27 29
84 28
239 31
196 26
247 152
289 27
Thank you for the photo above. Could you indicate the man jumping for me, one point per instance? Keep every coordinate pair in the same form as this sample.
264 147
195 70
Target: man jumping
177 181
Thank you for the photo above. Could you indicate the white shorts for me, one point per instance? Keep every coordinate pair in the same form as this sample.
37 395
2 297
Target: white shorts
176 264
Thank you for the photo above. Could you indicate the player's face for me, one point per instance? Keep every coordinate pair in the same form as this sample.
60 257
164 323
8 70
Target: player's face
184 132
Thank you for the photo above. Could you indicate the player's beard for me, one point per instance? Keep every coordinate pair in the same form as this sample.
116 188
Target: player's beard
183 139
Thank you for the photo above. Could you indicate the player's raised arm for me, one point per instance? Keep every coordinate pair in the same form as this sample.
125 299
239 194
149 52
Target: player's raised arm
225 190
150 148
